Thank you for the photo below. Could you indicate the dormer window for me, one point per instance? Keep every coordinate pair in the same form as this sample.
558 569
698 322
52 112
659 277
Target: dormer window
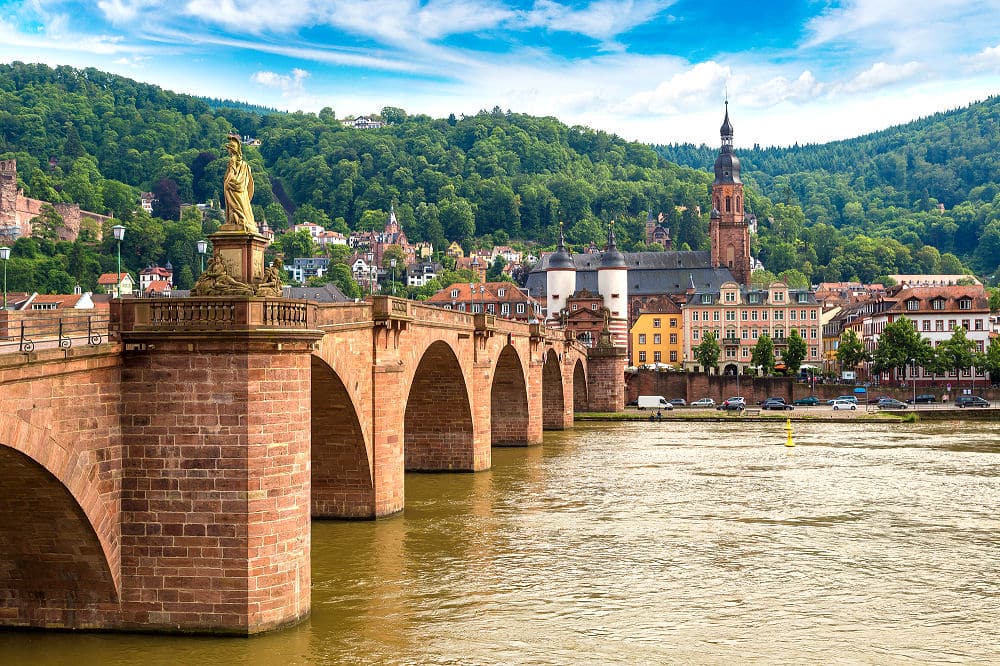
965 304
753 298
913 304
937 304
706 299
454 293
501 292
803 297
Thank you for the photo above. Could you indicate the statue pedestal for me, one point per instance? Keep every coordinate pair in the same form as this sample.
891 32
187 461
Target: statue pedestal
242 253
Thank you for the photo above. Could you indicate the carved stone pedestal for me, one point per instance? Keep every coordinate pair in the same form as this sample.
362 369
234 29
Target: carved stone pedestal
237 267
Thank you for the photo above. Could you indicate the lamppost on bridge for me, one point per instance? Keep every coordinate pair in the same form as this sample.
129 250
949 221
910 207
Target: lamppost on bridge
202 249
913 378
392 265
119 232
4 256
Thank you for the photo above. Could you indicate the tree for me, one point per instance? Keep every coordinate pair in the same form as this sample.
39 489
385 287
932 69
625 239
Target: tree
47 224
898 346
991 360
957 352
762 355
851 351
296 245
707 352
794 353
167 205
394 252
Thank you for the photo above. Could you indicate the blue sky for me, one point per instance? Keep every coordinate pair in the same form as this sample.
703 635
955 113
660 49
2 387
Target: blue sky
651 70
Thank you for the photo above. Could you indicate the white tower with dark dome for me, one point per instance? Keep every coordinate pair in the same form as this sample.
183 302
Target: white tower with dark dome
612 284
560 279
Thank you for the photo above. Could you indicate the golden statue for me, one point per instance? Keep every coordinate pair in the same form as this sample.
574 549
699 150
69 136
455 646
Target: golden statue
237 188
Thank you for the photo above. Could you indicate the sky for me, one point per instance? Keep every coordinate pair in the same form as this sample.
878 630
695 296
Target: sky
656 71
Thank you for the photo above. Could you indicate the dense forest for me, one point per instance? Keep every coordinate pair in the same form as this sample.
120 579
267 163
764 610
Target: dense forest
880 193
98 139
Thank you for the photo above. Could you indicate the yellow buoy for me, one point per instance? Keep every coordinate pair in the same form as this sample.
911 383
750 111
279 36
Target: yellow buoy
788 429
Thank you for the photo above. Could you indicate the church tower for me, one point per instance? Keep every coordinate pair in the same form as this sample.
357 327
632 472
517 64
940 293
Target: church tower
560 278
728 230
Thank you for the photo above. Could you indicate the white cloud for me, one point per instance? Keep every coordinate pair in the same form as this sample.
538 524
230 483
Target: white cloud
988 59
779 89
602 19
687 89
880 75
289 84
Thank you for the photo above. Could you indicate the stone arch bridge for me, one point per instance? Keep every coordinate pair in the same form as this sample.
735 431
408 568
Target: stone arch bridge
167 481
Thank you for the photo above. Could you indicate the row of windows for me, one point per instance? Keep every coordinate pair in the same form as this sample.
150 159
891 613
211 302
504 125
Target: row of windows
658 323
745 353
952 324
476 308
657 357
939 303
754 315
657 339
753 334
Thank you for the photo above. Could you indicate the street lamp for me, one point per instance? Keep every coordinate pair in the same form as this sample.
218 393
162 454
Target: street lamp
392 265
202 249
119 232
913 377
4 255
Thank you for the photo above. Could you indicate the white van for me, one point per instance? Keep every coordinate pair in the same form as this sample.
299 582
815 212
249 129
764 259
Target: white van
653 402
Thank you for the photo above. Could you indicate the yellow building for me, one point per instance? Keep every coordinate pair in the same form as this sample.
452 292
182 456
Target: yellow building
455 250
656 337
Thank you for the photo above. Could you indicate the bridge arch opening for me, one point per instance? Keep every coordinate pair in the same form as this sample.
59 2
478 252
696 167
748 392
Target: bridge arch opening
509 401
341 469
553 401
52 561
437 424
580 399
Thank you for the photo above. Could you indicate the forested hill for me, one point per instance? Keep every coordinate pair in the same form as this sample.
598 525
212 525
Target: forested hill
495 173
98 139
890 183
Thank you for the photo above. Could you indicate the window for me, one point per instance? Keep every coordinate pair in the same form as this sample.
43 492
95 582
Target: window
937 304
673 357
673 338
913 304
763 315
656 323
753 315
779 315
803 297
656 357
965 325
704 315
951 324
477 307
746 334
642 338
673 322
965 304
656 338
753 298
778 297
694 335
730 352
730 297
461 307
939 324
791 314
694 315
575 306
754 334
491 308
454 293
715 315
520 308
979 324
706 299
505 308
743 315
642 357
593 306
927 324
501 292
730 315
812 314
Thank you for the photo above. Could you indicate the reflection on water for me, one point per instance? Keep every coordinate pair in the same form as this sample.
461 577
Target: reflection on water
651 543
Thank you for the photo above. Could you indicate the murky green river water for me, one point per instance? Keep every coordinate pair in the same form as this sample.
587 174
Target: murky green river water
650 544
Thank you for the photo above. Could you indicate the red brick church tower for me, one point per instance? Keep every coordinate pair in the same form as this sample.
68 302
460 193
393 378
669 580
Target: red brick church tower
728 230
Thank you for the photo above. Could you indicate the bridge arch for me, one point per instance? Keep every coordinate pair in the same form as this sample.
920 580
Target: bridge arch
59 548
553 400
341 468
580 399
438 431
509 401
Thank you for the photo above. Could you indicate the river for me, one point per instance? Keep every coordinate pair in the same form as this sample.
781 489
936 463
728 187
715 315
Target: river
640 543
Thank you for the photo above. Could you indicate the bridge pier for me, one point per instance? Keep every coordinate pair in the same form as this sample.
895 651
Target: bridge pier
216 470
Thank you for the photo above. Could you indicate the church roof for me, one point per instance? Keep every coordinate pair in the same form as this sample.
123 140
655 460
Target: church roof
648 272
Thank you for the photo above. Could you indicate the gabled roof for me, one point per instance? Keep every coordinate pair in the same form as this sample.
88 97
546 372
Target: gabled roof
110 278
490 292
157 287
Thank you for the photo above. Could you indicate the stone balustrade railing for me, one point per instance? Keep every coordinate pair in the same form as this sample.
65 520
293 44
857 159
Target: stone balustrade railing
218 313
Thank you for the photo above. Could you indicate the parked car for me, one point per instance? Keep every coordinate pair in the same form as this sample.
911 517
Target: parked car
890 403
737 403
808 401
704 402
775 403
923 398
844 404
653 402
971 401
678 402
848 398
